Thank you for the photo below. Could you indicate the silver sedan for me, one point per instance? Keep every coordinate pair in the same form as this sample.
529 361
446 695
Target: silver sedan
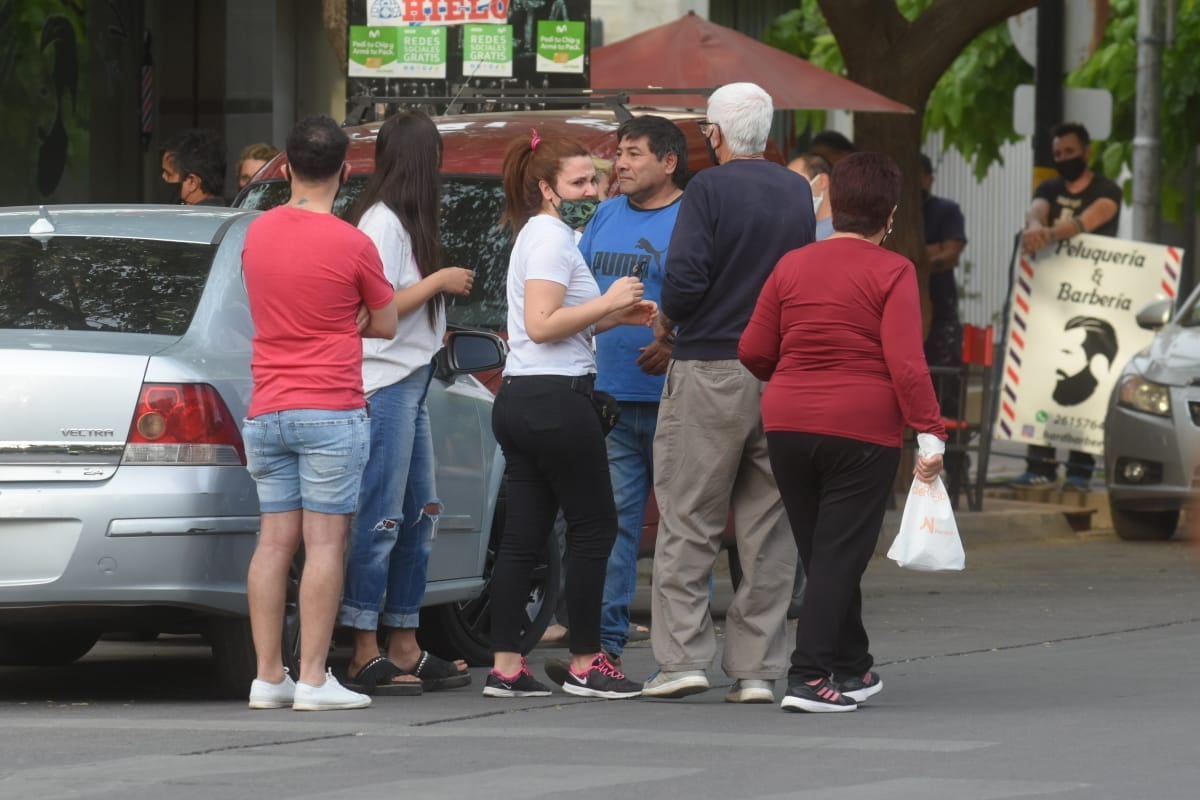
125 504
1152 431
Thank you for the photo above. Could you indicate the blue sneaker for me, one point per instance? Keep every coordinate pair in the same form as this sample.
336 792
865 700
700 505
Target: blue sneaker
1030 479
1077 483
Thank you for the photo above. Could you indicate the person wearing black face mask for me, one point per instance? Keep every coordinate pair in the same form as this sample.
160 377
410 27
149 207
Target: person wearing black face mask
1077 201
193 169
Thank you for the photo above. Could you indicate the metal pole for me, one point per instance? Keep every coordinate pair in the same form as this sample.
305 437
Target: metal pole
1147 148
1048 80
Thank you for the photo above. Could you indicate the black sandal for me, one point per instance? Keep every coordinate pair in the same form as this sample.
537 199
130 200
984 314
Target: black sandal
375 678
438 673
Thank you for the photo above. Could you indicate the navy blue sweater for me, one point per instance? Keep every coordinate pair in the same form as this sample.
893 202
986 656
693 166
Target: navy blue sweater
735 222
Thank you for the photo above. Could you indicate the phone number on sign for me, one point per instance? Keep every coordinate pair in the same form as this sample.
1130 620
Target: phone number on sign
1086 423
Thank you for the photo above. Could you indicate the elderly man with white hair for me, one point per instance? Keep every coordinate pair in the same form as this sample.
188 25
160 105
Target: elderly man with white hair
710 453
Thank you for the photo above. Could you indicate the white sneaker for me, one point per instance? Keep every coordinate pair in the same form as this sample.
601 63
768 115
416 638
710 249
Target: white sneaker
747 690
329 696
676 684
272 695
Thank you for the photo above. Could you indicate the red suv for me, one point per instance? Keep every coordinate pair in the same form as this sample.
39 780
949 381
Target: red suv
473 153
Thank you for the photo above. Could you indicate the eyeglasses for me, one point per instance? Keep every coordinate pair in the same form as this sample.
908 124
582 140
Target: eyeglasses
706 126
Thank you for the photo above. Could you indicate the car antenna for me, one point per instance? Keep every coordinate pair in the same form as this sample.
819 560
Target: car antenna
42 228
462 88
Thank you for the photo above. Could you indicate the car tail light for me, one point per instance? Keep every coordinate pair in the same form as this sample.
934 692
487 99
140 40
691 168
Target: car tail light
183 423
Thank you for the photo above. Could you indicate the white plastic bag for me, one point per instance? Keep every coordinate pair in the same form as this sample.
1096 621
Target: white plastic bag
928 539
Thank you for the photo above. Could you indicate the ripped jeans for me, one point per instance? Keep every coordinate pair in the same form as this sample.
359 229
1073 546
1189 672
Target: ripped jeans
393 530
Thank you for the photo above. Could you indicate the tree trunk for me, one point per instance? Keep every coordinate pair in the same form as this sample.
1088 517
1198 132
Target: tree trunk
903 60
899 135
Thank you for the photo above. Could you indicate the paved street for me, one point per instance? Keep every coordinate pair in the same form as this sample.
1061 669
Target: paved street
1055 668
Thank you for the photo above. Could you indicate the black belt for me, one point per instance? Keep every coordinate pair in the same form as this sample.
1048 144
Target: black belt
584 384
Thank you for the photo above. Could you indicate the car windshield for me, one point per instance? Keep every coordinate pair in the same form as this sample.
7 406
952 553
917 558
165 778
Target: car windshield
471 237
1189 316
101 284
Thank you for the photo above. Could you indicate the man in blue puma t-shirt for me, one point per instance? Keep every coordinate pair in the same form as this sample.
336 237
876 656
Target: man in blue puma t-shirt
629 236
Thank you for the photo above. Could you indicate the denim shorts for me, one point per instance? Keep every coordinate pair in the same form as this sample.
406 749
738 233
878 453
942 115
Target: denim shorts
308 458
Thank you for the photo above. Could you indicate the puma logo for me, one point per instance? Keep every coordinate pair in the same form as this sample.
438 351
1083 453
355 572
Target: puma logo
644 244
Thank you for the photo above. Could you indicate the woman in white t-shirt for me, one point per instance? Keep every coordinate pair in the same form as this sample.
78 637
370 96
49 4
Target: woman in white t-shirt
544 417
398 506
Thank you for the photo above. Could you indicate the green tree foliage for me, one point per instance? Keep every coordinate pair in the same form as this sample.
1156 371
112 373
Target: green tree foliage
972 102
1114 67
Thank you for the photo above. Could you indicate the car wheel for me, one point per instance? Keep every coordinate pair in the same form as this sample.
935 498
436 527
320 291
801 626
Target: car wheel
44 648
234 658
1144 526
463 630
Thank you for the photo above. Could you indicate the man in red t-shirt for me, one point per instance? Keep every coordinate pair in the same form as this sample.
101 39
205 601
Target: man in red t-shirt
309 276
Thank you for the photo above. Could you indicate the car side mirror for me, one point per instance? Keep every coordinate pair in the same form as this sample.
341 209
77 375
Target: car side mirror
469 351
1155 315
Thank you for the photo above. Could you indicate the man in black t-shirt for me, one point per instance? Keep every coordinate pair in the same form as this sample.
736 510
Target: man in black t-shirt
945 238
1077 201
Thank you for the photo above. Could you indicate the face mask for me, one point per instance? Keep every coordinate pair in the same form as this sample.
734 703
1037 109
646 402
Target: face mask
172 193
1071 168
577 213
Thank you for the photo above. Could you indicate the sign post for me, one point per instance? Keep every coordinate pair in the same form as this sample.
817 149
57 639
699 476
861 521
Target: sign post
1082 296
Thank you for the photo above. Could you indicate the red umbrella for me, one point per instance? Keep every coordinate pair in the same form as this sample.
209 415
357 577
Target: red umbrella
694 53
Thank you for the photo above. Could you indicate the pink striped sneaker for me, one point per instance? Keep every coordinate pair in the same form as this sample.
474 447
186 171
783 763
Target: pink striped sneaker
821 697
859 689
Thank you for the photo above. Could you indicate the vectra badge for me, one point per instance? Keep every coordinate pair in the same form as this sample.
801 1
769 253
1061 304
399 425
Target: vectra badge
86 433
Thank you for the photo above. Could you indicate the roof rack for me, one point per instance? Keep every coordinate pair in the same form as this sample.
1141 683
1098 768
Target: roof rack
371 108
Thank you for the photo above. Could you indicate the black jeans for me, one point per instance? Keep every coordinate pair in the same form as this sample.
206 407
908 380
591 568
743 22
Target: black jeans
835 491
555 454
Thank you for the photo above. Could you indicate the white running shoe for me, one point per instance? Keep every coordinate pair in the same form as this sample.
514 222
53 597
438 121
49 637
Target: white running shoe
748 690
272 695
329 696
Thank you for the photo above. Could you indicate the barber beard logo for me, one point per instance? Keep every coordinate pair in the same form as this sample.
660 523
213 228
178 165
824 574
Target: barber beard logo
1073 390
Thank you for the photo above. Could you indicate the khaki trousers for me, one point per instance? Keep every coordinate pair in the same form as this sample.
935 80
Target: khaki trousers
710 457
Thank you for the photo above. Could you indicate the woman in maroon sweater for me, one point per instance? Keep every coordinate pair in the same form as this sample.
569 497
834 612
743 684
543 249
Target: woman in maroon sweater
837 336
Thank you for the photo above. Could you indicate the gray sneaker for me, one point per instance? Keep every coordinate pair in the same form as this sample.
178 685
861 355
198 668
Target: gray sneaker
676 684
748 690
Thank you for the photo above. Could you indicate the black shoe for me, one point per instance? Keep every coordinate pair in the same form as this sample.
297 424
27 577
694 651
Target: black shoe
523 684
824 697
859 688
601 680
557 669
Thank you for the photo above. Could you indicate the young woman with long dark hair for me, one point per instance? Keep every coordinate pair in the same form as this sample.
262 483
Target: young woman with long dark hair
544 417
398 507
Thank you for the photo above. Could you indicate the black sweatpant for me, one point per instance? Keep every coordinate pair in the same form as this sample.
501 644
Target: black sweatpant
555 454
835 491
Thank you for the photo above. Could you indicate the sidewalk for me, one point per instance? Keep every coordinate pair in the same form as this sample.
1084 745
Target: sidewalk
1002 521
